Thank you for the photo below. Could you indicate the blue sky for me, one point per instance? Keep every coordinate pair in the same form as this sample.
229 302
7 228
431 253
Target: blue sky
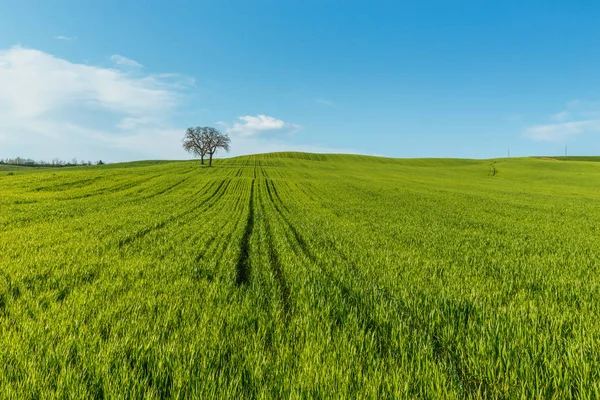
121 80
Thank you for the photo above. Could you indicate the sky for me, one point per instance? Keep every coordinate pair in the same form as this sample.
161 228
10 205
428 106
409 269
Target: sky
122 80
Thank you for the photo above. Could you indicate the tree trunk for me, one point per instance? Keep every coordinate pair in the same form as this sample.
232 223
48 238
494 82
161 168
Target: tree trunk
210 159
202 159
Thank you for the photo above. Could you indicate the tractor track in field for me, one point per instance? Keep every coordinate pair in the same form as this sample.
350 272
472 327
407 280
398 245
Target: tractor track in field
243 265
220 190
275 262
165 190
127 186
109 190
19 223
274 190
76 184
224 244
355 302
131 185
212 246
299 240
243 262
444 353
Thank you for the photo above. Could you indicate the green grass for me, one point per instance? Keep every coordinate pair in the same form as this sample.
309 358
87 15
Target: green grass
578 158
13 168
304 276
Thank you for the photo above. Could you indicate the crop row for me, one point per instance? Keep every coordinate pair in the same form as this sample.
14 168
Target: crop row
300 276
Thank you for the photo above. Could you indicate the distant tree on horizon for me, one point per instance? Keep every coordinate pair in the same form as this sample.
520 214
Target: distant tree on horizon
195 141
216 141
201 141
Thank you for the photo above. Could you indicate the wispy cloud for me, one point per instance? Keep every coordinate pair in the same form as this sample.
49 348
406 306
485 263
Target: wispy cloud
251 125
124 61
578 117
51 107
66 38
561 116
265 134
562 131
324 102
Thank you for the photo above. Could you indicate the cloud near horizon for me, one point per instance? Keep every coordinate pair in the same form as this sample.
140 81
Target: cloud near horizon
50 107
578 118
249 125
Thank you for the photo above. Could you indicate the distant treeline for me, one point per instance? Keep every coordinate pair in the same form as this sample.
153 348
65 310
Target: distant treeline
28 162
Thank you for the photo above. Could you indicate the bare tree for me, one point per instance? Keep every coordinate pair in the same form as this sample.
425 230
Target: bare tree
215 141
195 141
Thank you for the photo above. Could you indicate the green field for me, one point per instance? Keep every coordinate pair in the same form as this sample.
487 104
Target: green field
293 275
12 168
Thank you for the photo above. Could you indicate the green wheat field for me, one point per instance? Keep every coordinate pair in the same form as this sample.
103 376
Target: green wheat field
296 275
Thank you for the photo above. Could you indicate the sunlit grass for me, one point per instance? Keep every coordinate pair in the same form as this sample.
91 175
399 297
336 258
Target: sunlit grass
302 275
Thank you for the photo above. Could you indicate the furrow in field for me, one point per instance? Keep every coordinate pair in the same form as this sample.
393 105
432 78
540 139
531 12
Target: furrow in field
298 239
223 222
123 217
66 185
216 231
214 197
207 230
444 353
232 217
276 193
274 260
167 189
110 202
380 331
117 189
243 263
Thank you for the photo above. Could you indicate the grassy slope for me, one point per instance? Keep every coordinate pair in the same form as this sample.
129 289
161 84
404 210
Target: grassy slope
296 273
5 167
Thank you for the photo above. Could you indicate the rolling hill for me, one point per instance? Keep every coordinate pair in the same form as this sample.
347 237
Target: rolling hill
302 275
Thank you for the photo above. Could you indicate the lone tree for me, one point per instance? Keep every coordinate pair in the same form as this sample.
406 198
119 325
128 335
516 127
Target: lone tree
195 141
215 141
205 140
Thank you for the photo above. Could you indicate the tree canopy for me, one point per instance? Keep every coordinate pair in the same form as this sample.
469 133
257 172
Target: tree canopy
201 141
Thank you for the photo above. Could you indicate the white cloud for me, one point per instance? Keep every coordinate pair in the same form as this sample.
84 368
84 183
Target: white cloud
126 62
66 38
250 136
50 107
578 118
250 125
563 130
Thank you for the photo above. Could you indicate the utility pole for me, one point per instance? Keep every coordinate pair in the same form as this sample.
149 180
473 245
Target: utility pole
565 150
508 153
